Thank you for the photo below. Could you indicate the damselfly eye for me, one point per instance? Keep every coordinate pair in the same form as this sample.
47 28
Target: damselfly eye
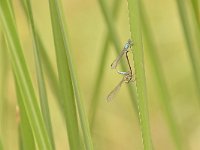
126 46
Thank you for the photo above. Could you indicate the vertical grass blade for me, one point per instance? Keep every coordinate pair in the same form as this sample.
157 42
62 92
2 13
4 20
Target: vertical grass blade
20 139
134 18
4 69
23 77
26 140
40 76
196 8
192 49
69 88
52 78
162 89
115 40
100 72
1 145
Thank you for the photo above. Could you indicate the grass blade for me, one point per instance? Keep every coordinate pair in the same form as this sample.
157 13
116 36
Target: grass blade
25 133
20 139
165 98
23 77
192 49
40 76
1 145
52 78
134 18
100 73
196 8
4 70
68 82
115 40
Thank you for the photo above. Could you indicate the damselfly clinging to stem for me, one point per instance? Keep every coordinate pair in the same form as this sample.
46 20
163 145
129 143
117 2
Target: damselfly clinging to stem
125 51
128 45
127 75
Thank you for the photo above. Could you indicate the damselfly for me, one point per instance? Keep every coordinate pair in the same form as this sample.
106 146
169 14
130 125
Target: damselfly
126 79
128 45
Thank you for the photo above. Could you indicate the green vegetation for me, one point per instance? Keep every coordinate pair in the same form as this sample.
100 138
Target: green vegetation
136 35
45 60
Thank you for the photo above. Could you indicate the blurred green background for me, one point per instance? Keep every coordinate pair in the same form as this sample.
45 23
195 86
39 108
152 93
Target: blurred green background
116 125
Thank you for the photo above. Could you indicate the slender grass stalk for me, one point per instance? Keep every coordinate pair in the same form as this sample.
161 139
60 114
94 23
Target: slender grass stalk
196 8
101 71
1 86
1 145
162 89
52 78
40 77
134 18
194 58
26 140
195 20
20 140
69 87
115 40
23 77
3 80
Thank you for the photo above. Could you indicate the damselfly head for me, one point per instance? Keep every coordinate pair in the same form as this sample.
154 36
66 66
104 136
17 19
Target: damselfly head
130 42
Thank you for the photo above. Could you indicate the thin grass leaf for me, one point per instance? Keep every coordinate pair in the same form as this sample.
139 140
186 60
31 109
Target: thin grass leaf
52 78
196 9
162 89
4 71
134 18
192 49
20 139
101 71
40 77
195 25
24 124
1 145
23 78
68 82
115 40
51 75
26 138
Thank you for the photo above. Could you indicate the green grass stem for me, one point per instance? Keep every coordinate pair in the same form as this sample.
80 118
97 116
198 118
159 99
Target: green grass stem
192 49
23 77
101 71
135 29
1 145
162 89
68 82
196 9
4 70
20 139
48 67
40 77
26 140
